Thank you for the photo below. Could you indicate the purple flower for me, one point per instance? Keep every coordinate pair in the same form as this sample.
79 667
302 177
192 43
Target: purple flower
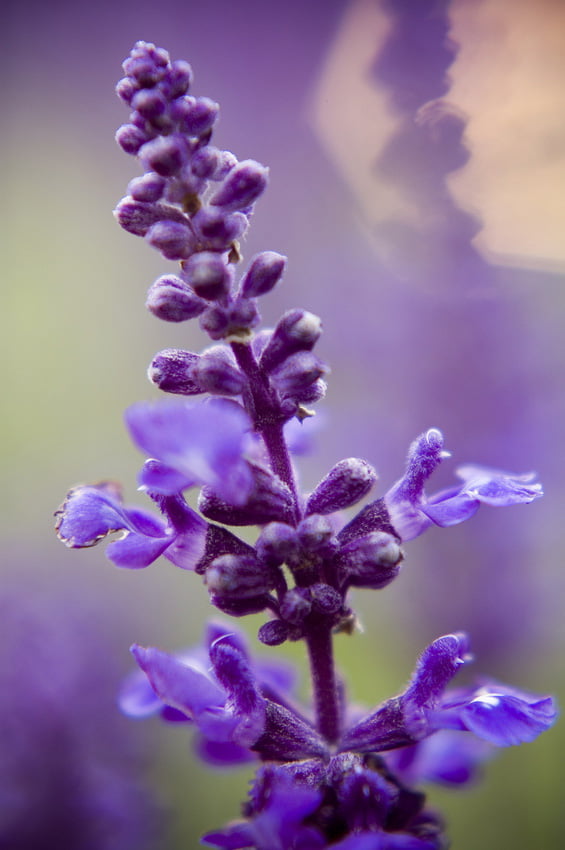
412 512
239 707
197 443
71 773
91 513
495 713
279 824
344 803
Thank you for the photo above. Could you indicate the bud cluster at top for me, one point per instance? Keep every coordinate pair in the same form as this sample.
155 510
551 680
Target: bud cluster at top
193 202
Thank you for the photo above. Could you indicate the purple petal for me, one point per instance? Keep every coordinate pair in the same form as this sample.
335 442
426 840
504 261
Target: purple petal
156 477
496 488
203 442
89 513
177 684
222 753
451 511
233 837
136 551
137 698
505 719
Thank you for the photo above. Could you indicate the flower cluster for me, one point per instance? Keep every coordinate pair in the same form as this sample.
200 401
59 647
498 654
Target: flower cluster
328 775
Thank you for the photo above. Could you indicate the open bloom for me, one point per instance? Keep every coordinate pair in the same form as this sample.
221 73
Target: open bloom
241 708
411 511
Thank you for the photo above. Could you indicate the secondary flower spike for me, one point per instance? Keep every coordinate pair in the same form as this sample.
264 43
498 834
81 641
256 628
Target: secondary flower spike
329 774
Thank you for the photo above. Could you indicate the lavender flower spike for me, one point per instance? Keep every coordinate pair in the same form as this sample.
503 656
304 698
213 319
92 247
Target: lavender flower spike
412 512
328 777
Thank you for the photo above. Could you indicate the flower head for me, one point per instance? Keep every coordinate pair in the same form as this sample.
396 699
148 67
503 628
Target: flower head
411 511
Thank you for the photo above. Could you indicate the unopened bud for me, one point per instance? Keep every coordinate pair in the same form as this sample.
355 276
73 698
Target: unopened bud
296 605
273 633
263 274
165 154
172 300
241 188
172 238
173 371
208 275
215 372
343 486
238 584
277 543
370 561
297 373
296 330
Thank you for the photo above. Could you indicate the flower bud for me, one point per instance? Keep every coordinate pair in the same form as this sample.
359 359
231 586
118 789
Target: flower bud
296 605
238 584
325 599
298 373
273 633
263 274
217 373
343 486
277 543
172 238
173 371
312 393
126 88
370 561
137 216
241 188
217 229
196 115
269 500
165 154
177 79
296 330
131 138
208 275
149 187
150 103
171 299
315 534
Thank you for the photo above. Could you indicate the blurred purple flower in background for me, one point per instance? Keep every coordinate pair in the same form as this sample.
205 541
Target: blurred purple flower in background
71 772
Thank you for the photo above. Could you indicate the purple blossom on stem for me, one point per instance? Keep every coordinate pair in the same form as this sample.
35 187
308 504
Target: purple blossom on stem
328 777
412 512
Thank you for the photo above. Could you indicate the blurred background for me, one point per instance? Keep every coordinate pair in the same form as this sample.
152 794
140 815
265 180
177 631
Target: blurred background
417 156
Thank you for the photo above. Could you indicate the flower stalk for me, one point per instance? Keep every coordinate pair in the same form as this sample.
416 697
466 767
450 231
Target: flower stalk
326 777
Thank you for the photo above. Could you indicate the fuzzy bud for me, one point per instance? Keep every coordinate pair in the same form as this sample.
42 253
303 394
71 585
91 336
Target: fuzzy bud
241 188
171 299
273 633
173 371
264 272
165 155
149 187
217 373
296 605
298 373
343 486
370 561
269 500
296 330
172 238
238 584
277 543
208 275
